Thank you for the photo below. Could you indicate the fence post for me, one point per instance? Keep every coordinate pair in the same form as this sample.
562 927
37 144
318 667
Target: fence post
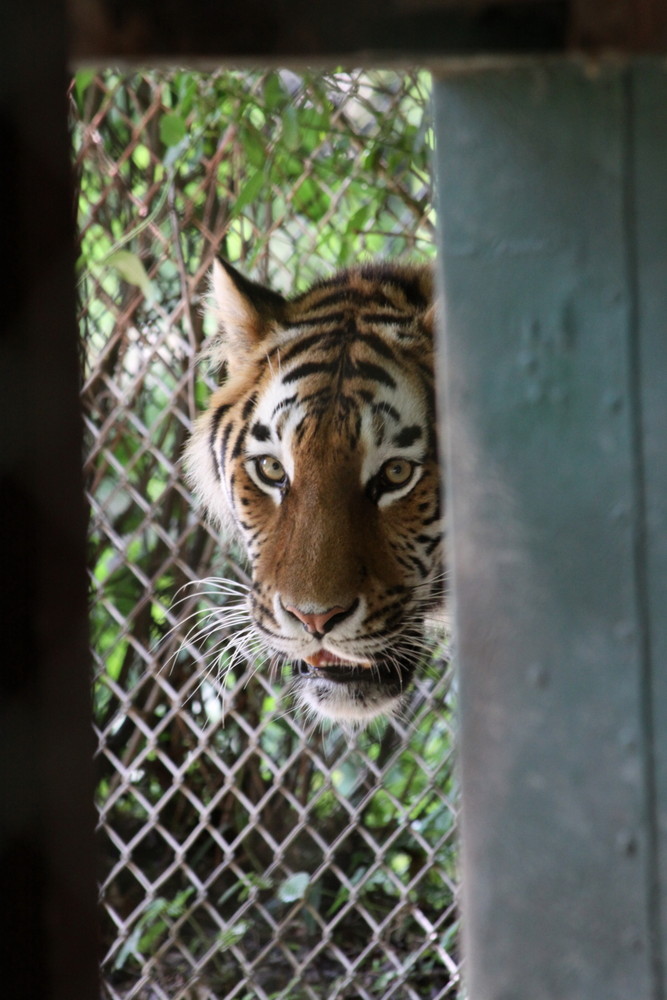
553 211
47 862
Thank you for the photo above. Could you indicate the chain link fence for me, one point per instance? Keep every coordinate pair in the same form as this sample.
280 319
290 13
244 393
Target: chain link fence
245 852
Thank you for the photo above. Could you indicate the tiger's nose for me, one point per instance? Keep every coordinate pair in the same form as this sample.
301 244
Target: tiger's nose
320 623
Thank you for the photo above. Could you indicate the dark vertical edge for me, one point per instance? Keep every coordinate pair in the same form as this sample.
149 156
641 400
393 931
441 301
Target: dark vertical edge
647 143
47 861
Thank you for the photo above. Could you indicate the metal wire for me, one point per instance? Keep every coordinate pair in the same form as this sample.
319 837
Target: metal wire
246 853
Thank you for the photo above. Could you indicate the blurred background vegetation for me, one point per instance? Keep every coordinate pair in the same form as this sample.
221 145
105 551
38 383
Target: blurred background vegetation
245 852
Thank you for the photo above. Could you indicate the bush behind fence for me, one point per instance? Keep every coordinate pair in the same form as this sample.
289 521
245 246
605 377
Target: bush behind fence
245 852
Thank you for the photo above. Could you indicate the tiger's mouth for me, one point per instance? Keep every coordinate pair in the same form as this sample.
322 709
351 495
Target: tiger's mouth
323 659
394 675
349 693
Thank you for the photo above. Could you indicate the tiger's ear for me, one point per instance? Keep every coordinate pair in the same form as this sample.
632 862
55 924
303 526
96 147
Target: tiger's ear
245 312
431 318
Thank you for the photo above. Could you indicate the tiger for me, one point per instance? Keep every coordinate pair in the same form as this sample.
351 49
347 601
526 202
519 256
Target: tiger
320 449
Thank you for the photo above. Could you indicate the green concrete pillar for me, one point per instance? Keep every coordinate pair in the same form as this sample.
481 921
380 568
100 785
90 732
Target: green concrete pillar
553 208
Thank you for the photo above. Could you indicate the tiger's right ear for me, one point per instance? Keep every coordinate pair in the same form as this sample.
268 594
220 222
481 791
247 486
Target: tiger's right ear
245 313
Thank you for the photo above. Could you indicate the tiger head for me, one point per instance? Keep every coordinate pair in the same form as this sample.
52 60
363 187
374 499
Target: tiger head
320 447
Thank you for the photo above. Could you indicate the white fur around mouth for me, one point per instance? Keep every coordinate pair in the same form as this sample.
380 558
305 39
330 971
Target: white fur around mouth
323 658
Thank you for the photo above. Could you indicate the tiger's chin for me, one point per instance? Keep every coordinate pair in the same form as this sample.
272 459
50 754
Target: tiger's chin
349 694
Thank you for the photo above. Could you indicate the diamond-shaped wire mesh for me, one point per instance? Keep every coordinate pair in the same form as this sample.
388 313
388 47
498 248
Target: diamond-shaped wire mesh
246 852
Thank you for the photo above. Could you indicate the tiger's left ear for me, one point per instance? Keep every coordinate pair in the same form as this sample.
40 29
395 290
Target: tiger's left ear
430 318
245 312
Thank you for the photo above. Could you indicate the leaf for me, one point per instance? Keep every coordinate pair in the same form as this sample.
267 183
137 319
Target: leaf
177 905
172 129
291 131
82 79
294 887
274 92
358 219
248 192
254 145
151 936
185 86
115 659
233 934
131 269
310 199
129 946
141 155
318 120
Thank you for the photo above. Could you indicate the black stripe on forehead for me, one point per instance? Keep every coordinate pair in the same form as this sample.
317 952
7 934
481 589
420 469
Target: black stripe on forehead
280 414
385 276
341 331
410 284
381 411
248 406
310 368
260 431
384 286
350 369
283 404
391 411
316 316
387 318
378 345
334 291
305 343
368 370
407 436
414 292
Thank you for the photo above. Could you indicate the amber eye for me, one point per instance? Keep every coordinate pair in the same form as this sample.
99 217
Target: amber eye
270 471
396 473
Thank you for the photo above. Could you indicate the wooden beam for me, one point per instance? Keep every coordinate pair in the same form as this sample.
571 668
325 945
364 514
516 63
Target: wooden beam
359 31
626 26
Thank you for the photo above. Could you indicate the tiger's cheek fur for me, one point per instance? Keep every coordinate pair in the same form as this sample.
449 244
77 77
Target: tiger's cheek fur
255 513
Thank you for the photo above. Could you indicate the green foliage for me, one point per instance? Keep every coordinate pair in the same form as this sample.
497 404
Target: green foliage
289 176
151 927
131 268
294 887
315 147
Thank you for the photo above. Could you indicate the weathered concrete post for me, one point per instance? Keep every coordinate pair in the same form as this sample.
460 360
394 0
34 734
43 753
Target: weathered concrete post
553 208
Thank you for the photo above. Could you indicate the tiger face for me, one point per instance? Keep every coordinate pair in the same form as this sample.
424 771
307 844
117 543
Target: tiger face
320 447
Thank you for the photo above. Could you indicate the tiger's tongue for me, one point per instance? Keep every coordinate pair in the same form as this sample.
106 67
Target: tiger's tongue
325 659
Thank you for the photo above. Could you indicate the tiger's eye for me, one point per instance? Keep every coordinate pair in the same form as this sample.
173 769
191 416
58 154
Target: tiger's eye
270 470
397 472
